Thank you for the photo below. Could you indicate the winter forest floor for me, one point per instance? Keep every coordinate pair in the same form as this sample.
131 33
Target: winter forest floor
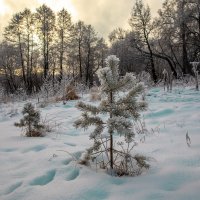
41 168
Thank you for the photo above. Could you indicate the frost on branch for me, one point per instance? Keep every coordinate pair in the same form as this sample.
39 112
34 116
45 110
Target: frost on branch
122 110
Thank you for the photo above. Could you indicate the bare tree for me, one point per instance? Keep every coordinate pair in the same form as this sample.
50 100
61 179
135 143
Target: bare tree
64 29
9 63
13 34
45 20
141 23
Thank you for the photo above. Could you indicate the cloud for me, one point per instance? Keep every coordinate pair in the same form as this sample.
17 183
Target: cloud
154 5
10 7
18 5
104 15
107 15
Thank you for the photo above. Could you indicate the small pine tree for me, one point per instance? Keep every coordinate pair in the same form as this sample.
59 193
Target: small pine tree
122 111
31 121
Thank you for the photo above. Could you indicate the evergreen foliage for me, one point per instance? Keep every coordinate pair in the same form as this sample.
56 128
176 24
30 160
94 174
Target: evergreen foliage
122 111
31 121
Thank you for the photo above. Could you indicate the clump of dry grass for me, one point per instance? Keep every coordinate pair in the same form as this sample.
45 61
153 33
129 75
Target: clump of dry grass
70 93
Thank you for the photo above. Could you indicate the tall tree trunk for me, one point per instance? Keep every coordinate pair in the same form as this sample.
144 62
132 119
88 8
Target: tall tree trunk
22 59
111 134
61 56
44 55
47 55
29 72
186 65
31 67
88 67
153 71
80 60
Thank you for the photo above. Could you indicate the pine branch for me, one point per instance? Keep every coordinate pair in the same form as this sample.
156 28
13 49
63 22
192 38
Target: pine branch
97 131
87 108
127 82
142 106
132 94
119 123
87 121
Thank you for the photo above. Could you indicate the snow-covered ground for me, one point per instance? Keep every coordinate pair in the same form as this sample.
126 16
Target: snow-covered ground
43 168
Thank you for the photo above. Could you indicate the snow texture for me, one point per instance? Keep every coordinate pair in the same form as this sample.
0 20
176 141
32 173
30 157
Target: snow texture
46 168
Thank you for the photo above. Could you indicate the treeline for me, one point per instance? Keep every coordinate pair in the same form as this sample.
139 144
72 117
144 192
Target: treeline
46 45
170 41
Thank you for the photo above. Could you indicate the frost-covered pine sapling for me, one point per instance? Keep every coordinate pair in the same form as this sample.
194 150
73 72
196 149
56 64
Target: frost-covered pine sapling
122 110
30 122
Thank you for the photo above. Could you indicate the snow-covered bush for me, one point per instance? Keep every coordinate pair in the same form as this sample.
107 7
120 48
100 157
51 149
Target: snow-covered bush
196 73
168 80
95 94
48 89
121 113
30 123
53 90
82 88
145 77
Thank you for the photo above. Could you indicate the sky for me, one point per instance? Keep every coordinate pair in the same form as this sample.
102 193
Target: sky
104 15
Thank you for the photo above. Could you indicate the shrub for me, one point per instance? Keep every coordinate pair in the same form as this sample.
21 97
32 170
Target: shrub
70 93
30 123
